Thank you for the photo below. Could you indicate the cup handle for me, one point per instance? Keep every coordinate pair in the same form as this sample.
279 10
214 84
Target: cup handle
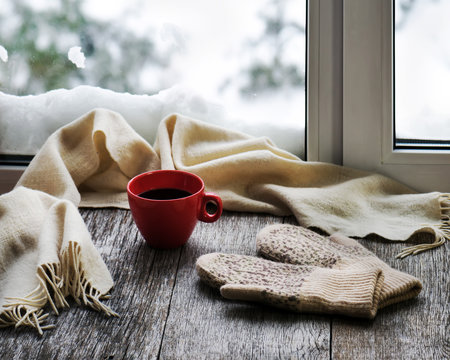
204 215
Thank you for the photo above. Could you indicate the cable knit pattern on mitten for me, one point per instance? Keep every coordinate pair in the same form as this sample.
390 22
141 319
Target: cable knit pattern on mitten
298 245
353 291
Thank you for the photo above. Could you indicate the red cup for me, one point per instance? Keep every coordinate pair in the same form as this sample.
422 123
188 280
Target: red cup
166 222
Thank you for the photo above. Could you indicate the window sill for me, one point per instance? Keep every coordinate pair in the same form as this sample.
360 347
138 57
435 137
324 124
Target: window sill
9 175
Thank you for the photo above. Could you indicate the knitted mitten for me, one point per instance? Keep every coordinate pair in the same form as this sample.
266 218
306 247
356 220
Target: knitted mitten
353 291
298 245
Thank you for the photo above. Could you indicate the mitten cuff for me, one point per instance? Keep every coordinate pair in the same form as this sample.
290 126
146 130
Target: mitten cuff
398 286
353 292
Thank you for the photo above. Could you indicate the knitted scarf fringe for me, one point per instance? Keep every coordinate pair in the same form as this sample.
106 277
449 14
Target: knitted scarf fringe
56 282
442 230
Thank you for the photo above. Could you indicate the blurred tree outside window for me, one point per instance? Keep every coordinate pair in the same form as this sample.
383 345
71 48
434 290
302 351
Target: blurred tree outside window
248 56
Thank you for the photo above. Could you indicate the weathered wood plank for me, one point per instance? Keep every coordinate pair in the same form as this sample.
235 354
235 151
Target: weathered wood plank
416 329
144 279
203 325
167 313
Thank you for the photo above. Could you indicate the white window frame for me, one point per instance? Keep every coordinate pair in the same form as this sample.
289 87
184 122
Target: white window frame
324 85
368 106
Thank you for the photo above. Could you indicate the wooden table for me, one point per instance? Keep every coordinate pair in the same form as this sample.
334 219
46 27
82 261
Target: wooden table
167 313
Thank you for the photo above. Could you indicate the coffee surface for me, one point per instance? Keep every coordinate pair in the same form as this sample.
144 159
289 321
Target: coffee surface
164 194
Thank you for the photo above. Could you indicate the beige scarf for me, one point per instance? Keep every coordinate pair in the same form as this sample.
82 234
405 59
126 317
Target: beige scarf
46 254
90 161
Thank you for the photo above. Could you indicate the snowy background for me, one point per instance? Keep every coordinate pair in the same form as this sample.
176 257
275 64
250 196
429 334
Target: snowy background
239 64
422 69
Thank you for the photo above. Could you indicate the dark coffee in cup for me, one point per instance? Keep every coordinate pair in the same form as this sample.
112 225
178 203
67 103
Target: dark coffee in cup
165 194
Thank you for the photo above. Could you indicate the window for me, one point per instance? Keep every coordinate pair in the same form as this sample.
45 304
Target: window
350 80
421 74
324 130
368 102
239 64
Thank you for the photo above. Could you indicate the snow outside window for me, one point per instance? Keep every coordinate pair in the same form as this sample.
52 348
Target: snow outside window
240 64
382 86
422 73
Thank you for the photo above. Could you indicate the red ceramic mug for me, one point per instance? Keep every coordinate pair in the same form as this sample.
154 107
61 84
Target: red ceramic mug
166 205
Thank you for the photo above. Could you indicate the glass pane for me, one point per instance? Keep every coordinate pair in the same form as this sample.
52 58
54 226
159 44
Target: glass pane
422 73
245 57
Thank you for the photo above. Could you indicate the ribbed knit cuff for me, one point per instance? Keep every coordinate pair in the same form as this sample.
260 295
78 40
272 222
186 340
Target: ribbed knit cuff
353 292
398 286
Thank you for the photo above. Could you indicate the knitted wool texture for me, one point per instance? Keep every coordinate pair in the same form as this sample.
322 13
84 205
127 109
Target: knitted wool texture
298 245
354 291
46 254
90 161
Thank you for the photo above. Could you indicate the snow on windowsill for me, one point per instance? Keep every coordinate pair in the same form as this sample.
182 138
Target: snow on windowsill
27 121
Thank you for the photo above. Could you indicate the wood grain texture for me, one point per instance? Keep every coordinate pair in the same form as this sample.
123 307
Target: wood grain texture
415 329
143 278
167 313
203 325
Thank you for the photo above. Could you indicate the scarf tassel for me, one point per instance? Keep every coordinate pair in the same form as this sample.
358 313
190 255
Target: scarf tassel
441 230
56 282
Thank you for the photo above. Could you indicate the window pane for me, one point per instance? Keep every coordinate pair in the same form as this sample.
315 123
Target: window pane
422 73
245 57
